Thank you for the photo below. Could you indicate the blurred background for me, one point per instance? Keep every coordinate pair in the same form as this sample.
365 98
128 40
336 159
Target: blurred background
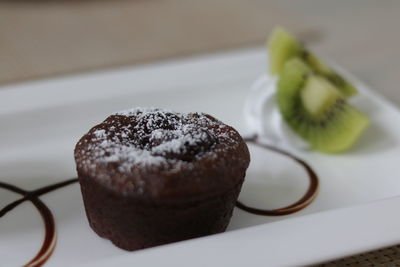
40 39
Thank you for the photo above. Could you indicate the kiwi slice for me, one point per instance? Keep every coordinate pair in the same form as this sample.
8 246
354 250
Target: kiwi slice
316 109
345 87
283 46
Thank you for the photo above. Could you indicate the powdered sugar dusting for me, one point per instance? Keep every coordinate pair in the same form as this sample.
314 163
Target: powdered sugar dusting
147 138
132 149
138 110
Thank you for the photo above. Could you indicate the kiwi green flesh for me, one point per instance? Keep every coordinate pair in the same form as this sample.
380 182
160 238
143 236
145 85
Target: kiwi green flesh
318 95
290 81
283 46
319 67
337 131
334 131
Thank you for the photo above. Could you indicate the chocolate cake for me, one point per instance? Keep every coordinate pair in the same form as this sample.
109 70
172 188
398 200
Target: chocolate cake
150 177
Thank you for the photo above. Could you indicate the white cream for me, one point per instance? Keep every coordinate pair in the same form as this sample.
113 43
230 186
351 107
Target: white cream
264 118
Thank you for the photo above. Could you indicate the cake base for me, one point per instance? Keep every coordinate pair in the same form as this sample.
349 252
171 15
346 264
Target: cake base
131 225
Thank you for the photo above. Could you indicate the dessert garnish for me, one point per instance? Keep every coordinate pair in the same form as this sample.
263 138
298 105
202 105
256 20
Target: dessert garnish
283 46
50 235
300 204
312 98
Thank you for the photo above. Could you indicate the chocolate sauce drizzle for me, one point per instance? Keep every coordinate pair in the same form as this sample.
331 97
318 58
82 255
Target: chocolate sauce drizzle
49 241
50 237
303 202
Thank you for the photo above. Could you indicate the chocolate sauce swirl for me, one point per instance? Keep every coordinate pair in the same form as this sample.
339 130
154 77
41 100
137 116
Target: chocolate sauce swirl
303 202
49 241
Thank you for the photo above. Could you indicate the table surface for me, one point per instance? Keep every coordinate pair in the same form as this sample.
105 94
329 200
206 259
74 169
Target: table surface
40 39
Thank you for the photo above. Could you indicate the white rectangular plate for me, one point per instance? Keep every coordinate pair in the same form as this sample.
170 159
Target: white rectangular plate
40 122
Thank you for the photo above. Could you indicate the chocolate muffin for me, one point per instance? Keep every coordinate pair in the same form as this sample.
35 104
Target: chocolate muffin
150 177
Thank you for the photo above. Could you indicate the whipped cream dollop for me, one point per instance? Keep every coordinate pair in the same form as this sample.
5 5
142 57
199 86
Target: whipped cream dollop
264 118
